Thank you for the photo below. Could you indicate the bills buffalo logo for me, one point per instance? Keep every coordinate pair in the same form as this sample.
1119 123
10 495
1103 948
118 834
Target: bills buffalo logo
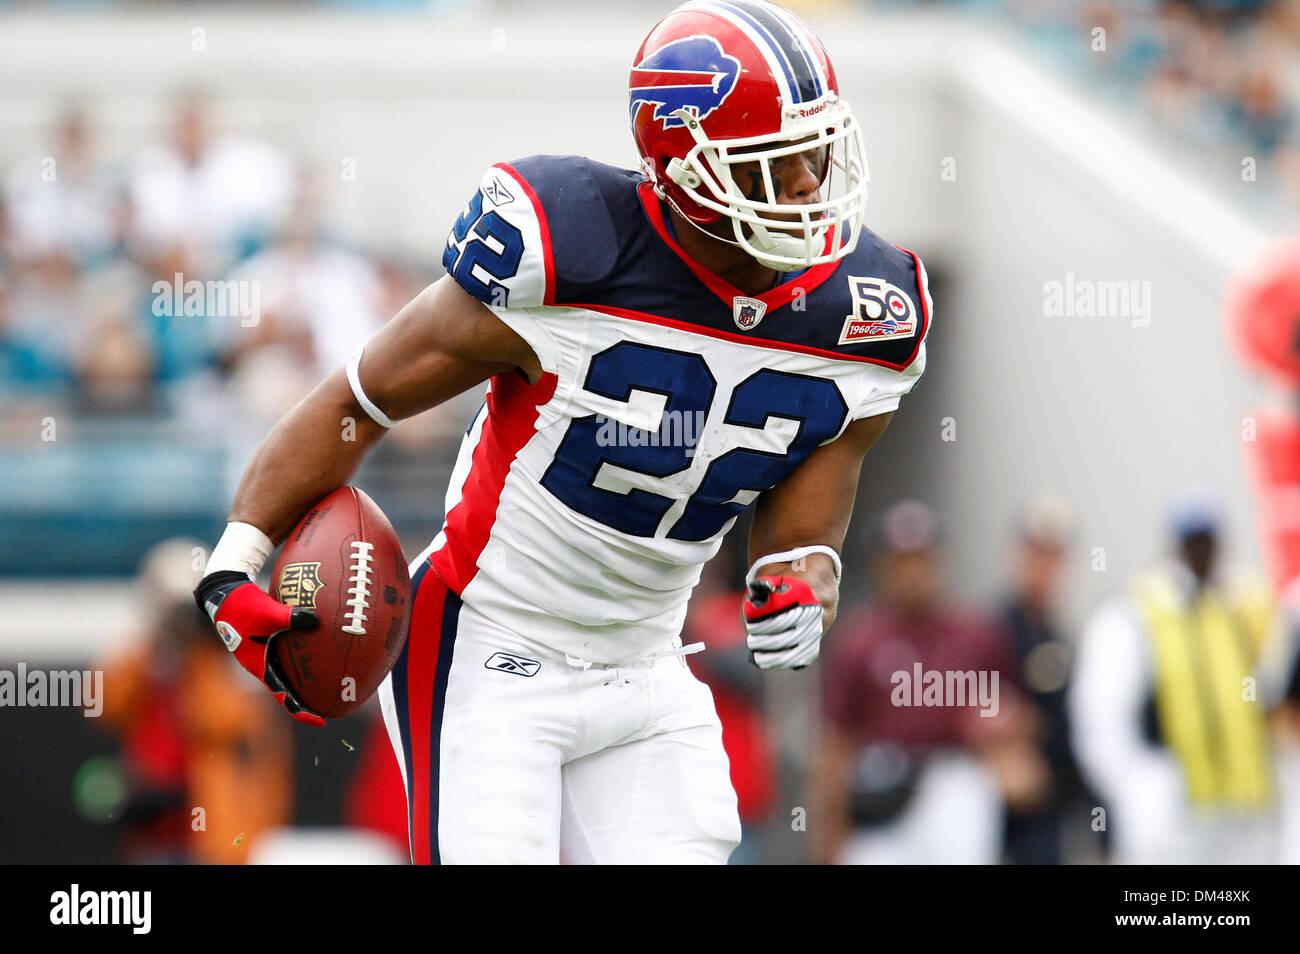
747 312
298 584
881 311
693 74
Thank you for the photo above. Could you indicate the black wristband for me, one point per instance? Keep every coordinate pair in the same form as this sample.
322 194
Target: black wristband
215 587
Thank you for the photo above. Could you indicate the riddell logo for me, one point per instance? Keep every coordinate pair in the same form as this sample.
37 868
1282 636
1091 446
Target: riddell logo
812 111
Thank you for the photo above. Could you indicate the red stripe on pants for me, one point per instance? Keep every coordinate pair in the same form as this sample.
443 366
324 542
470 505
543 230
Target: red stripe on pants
422 670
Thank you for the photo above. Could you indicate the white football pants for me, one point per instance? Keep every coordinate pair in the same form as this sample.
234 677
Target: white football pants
514 753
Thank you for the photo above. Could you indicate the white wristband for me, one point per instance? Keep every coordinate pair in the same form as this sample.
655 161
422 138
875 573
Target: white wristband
242 548
353 369
789 556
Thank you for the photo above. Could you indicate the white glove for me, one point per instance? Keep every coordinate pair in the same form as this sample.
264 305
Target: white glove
783 620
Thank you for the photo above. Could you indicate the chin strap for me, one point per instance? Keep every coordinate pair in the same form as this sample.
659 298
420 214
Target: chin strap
765 240
700 228
734 242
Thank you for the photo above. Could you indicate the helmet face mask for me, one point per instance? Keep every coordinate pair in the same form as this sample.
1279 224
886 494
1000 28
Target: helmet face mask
782 235
717 106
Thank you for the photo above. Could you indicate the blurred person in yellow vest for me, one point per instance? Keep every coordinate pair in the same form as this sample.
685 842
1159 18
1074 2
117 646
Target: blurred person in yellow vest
193 736
1169 724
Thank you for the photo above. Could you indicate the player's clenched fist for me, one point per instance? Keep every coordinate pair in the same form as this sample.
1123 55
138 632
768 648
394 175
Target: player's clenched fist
783 620
246 619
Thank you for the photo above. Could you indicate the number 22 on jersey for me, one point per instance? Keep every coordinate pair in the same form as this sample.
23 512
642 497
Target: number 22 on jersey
772 421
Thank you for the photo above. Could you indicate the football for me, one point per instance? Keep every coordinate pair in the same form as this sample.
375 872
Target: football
344 561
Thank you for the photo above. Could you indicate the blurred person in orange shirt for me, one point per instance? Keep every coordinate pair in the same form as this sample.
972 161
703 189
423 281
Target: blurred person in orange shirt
194 735
926 739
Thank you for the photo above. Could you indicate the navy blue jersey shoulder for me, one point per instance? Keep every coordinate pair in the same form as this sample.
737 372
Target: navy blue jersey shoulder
584 202
606 252
875 305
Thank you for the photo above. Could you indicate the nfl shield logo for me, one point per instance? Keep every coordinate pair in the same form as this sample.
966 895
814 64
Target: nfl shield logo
747 312
298 584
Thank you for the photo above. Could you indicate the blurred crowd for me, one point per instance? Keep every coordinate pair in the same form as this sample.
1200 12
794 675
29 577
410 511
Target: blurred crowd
91 251
160 309
197 280
1164 730
1223 75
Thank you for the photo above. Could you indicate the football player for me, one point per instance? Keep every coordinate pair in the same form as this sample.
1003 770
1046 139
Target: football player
664 349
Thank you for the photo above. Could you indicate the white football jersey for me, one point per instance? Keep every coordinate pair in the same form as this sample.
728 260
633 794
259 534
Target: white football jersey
582 507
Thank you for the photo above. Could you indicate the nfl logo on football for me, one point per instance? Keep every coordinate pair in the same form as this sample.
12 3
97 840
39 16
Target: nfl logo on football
299 583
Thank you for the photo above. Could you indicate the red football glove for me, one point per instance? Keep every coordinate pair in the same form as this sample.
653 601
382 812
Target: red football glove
248 620
783 620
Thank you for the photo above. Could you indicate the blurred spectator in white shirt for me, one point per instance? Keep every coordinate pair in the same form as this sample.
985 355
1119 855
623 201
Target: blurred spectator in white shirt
316 302
313 291
219 195
62 202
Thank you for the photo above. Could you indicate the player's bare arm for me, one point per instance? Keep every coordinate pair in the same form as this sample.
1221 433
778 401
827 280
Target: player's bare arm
441 344
813 506
801 523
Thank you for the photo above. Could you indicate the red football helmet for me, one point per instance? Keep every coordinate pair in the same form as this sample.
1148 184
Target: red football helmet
720 83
